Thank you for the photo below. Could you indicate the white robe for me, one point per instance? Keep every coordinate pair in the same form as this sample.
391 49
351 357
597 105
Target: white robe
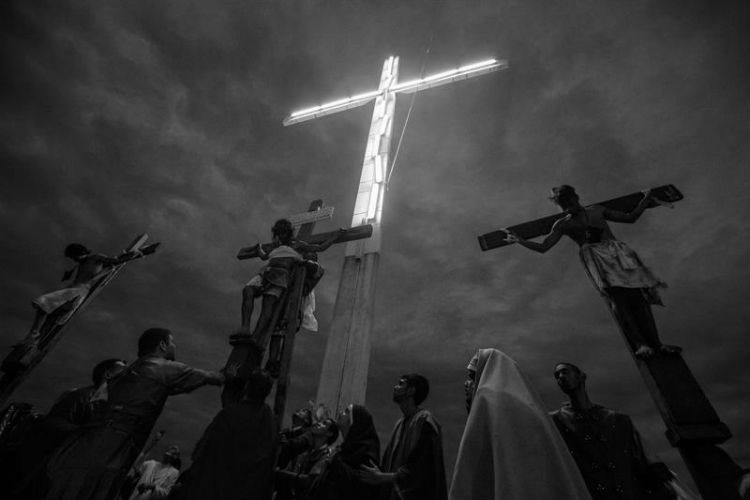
510 448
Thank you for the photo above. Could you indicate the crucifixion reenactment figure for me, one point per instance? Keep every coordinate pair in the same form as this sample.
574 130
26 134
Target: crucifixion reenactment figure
629 287
273 279
57 307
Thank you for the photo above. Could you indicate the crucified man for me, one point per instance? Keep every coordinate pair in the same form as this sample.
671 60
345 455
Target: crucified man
57 307
614 268
273 279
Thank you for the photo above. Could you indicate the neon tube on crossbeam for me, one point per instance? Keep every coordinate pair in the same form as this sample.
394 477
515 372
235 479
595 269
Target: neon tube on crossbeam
467 71
331 107
461 73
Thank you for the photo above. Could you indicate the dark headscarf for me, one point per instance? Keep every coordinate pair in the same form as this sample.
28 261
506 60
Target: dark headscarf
361 444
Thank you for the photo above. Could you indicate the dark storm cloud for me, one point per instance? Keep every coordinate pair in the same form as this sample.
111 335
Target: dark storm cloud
166 118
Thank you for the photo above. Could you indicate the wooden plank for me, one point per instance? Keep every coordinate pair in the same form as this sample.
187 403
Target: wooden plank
540 227
307 227
292 325
354 233
317 215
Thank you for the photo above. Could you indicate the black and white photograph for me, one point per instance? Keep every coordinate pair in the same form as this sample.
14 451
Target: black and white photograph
385 249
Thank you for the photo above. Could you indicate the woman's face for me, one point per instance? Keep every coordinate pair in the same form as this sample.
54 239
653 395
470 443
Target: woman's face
344 420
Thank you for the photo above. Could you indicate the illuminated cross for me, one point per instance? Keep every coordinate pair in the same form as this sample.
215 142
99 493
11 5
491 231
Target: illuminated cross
344 376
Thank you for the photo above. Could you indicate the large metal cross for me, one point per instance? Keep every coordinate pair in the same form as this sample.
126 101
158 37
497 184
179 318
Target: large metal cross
344 376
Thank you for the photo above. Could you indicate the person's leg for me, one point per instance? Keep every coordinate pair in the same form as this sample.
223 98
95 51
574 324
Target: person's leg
18 359
626 313
645 318
273 365
36 326
264 325
249 293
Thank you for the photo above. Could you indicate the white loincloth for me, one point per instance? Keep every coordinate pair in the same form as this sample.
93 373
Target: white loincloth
50 302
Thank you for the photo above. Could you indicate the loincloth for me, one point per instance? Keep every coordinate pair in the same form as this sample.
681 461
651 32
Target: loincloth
611 263
50 302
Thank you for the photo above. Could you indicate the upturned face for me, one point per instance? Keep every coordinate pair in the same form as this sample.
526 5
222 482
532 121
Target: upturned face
402 390
301 418
344 420
568 378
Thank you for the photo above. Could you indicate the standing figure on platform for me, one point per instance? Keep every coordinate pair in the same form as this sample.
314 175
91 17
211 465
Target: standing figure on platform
606 446
93 463
157 477
614 268
55 308
510 449
234 458
412 467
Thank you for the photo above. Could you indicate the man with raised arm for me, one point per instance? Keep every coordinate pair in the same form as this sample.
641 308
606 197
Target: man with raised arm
613 267
412 467
93 463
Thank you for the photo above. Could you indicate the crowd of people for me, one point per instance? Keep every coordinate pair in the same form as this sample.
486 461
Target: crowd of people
90 444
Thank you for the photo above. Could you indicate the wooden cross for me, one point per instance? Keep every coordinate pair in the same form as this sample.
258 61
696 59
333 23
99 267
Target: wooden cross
693 425
539 227
51 331
245 352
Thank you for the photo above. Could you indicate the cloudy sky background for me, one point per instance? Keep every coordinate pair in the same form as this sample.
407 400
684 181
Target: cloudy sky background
121 118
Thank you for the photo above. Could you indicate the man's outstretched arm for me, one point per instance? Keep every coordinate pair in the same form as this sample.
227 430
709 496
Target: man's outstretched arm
549 241
321 247
632 216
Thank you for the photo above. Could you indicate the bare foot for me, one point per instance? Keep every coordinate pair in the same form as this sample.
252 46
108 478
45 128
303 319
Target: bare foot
644 352
670 349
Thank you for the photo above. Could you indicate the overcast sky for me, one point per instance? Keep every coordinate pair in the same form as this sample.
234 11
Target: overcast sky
119 118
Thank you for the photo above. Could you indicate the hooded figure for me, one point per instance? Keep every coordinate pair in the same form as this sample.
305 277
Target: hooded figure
233 460
510 448
361 446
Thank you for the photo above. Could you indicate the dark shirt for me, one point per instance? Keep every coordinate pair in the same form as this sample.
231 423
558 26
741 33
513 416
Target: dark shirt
415 454
607 449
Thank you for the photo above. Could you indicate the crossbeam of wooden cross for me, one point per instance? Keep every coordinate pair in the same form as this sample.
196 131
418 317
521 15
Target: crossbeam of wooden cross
351 234
666 194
